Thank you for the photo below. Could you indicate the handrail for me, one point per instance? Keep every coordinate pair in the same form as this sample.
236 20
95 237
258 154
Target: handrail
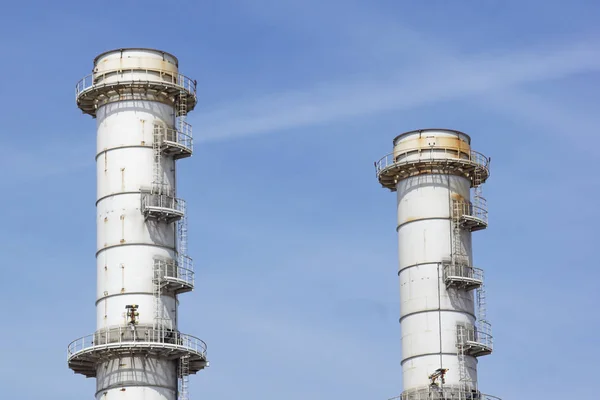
125 335
482 334
163 201
463 271
185 263
181 137
473 210
436 154
88 82
443 392
182 269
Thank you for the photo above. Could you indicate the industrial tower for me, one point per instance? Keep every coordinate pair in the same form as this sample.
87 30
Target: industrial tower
140 102
442 297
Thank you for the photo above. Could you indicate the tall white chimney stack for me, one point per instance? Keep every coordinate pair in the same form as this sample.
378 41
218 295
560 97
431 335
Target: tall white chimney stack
140 102
442 297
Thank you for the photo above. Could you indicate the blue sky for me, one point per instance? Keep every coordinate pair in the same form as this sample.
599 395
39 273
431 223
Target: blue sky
293 239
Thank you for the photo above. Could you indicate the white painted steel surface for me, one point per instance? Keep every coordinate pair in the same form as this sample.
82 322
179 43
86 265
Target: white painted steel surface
424 240
131 245
127 244
135 377
432 172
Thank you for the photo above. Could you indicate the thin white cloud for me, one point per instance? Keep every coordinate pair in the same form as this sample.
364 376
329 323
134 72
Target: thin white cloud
428 83
375 34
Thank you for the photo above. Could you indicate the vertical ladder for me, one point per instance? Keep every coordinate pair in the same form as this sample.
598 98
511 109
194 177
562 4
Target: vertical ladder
184 376
156 292
182 235
182 223
481 304
479 200
477 189
461 341
184 362
157 173
162 322
182 110
459 256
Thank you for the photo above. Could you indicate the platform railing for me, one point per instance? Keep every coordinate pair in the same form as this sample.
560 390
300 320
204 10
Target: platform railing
475 210
132 75
484 333
181 137
481 334
435 154
151 201
182 269
126 336
445 392
186 264
463 271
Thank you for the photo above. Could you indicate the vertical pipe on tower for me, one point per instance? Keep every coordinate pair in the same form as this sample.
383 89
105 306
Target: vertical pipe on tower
442 327
137 97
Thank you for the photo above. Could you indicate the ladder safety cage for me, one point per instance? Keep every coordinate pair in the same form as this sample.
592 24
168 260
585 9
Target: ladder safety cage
158 184
162 322
461 340
183 378
182 238
459 258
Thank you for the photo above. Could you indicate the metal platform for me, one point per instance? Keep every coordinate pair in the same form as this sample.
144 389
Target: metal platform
437 160
176 143
162 207
462 277
85 353
120 85
174 276
472 216
475 341
444 392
